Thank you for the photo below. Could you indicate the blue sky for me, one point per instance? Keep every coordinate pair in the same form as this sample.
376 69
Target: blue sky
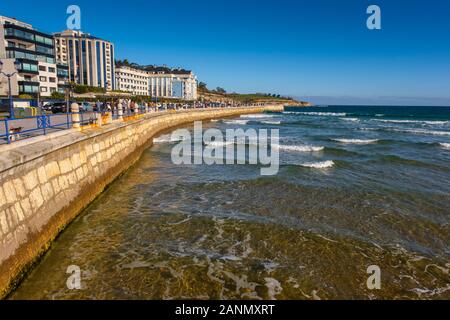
317 50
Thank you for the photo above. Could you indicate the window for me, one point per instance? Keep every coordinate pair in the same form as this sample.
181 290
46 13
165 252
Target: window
28 89
62 73
50 69
43 79
45 40
42 68
52 79
11 44
29 67
46 50
52 90
43 89
21 46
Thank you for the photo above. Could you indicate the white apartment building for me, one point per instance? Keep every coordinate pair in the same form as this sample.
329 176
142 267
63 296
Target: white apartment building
157 82
35 53
90 60
132 80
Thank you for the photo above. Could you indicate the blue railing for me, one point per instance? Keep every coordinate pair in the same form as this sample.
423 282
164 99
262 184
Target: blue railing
22 128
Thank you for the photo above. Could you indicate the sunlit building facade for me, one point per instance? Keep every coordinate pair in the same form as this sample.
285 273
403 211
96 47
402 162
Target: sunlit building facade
157 82
35 53
90 60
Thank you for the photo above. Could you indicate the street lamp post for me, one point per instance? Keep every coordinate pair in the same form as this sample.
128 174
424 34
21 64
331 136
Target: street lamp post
9 75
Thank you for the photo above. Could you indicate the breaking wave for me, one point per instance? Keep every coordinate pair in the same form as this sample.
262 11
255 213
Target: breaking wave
271 122
325 114
428 122
318 165
166 138
356 141
445 145
239 122
303 148
256 116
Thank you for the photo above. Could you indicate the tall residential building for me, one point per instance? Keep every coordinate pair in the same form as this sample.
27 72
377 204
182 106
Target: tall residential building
158 82
35 52
90 60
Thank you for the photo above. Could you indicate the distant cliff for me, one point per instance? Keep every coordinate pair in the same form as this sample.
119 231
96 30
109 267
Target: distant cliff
221 96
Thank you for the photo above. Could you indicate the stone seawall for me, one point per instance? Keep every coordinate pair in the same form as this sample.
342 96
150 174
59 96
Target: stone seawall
46 181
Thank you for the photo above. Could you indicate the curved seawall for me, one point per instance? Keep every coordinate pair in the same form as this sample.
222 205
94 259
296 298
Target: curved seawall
46 181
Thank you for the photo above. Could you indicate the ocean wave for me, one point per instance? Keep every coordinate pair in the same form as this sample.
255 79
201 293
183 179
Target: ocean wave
413 131
256 116
166 138
304 148
271 122
318 165
219 143
445 145
239 122
351 119
325 114
356 141
422 131
428 122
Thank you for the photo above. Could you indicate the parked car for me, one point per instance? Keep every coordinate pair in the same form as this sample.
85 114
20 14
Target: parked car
57 107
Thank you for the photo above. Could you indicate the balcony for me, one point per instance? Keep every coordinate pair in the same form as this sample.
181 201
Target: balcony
20 33
28 87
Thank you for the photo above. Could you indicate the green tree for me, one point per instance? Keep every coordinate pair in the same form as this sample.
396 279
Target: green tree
57 95
202 85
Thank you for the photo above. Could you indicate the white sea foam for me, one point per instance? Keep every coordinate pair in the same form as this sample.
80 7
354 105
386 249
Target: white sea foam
273 288
428 122
165 138
239 122
356 141
303 148
445 145
331 114
219 143
436 122
422 131
319 165
271 122
256 116
350 119
215 120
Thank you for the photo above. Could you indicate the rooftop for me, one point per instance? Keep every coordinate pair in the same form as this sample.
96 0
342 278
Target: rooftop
8 20
77 34
152 68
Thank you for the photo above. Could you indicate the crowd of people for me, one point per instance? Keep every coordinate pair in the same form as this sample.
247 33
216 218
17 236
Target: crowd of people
132 107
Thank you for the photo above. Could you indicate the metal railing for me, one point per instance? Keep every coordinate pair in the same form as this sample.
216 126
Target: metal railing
22 128
16 129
